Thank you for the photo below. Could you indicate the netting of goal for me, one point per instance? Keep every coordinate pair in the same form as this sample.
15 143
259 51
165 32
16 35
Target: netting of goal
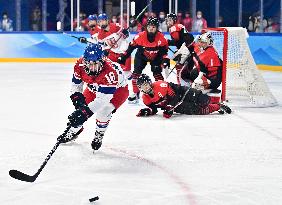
242 82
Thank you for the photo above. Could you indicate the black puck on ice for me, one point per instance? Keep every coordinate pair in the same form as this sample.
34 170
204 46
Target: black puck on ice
94 199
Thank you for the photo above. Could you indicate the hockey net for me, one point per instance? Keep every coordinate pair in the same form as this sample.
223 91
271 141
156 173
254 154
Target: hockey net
242 82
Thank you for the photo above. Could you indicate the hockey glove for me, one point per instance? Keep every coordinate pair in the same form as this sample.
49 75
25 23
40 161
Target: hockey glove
121 59
78 100
125 33
168 112
165 63
82 40
78 117
106 52
144 112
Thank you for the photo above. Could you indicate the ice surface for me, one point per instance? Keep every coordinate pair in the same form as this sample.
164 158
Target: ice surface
197 160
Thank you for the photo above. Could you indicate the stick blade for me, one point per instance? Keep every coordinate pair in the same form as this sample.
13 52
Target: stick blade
21 176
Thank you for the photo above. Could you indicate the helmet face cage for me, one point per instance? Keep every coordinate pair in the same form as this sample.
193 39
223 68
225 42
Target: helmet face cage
153 21
93 68
144 81
172 16
206 38
93 59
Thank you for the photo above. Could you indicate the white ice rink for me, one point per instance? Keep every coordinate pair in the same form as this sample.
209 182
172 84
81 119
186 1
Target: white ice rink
195 160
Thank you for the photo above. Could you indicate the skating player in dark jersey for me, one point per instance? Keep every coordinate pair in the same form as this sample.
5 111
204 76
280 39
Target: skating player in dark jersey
180 38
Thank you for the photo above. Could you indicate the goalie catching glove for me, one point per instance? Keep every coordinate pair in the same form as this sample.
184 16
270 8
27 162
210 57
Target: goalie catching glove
201 82
181 54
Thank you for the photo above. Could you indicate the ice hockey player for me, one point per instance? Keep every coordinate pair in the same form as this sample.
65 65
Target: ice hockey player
92 27
171 97
113 38
207 72
180 38
106 90
92 24
152 46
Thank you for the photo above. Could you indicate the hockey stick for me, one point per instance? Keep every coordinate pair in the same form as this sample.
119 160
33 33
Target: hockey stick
180 102
59 29
144 9
27 178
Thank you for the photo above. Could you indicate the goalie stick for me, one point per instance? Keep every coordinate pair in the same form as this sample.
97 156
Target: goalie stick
27 178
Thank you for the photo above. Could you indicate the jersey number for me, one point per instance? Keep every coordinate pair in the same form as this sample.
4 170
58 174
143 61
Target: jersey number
110 77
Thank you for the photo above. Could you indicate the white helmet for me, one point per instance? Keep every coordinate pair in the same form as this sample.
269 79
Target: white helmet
206 38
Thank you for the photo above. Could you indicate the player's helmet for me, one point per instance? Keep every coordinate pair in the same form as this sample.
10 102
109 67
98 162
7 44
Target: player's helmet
172 16
102 16
153 21
93 59
206 38
143 82
92 17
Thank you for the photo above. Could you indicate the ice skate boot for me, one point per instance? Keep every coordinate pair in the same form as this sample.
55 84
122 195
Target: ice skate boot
134 98
97 141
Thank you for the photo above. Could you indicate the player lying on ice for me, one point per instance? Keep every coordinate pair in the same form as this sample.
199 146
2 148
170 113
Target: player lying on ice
106 90
175 98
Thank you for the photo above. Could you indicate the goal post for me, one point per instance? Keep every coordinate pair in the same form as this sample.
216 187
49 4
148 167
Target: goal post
242 82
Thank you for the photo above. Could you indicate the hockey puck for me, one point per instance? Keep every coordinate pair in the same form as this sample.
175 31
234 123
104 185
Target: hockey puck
94 199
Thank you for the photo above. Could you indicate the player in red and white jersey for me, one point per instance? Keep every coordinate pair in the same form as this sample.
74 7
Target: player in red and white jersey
180 38
114 40
92 24
170 98
106 90
152 46
92 27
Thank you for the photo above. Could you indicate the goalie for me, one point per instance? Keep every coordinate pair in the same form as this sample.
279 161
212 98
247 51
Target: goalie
206 73
175 98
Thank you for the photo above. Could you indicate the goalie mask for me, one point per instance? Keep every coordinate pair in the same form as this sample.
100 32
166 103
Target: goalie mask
144 84
93 59
205 40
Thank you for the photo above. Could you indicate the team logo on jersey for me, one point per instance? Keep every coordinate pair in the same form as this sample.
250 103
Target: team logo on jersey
112 42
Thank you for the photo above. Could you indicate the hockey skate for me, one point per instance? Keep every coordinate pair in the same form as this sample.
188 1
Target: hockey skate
71 135
134 98
97 141
224 109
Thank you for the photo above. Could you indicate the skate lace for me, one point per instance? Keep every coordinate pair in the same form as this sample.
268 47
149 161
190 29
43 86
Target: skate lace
98 137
